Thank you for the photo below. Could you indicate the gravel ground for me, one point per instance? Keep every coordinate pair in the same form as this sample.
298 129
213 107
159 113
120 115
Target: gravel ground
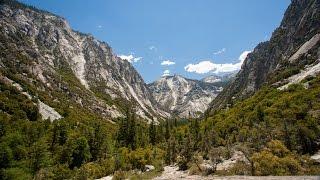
171 172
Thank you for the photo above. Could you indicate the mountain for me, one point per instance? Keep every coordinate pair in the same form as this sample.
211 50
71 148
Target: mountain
185 97
219 78
212 79
55 64
288 57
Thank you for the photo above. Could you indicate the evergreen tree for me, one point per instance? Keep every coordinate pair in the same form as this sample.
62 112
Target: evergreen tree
131 139
167 131
152 133
80 152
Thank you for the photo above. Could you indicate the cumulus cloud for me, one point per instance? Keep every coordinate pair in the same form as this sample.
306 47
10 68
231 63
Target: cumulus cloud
208 66
167 63
220 51
166 73
130 58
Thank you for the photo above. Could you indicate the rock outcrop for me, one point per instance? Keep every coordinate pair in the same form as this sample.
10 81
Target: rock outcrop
185 97
293 47
42 47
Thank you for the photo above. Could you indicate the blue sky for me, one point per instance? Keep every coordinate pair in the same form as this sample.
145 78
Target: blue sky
191 38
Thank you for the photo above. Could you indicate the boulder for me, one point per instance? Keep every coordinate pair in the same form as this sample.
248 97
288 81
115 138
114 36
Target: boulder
149 168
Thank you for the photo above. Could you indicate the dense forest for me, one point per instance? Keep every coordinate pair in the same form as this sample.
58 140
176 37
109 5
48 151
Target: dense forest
276 130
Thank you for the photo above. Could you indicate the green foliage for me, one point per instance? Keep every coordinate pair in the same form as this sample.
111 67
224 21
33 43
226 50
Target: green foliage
119 175
271 114
80 151
16 173
39 156
126 136
276 159
17 105
152 133
285 73
6 156
274 127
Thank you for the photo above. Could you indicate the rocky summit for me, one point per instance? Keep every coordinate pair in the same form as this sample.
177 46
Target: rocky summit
186 97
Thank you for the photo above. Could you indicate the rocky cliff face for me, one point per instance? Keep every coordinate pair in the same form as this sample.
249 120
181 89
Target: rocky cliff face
219 78
212 79
185 97
42 49
292 52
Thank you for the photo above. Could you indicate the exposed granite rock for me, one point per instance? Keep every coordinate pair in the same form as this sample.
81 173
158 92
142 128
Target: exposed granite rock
185 97
292 47
55 54
48 112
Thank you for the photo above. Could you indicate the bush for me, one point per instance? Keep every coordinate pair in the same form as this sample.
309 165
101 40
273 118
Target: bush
119 175
5 155
43 174
276 159
108 166
240 168
17 174
91 170
62 171
194 170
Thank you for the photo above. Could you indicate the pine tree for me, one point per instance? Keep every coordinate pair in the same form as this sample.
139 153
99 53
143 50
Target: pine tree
152 133
131 139
167 131
80 152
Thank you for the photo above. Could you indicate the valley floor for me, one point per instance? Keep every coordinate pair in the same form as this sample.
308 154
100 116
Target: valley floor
171 172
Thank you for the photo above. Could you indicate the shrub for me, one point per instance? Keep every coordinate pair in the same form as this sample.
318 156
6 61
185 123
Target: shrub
240 168
194 170
119 175
91 170
276 159
17 173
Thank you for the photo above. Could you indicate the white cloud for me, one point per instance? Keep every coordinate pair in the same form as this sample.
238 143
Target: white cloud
208 66
130 58
136 59
167 63
166 73
243 55
151 48
99 26
220 51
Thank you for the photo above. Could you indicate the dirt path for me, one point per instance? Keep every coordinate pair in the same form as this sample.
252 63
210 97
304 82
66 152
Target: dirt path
171 172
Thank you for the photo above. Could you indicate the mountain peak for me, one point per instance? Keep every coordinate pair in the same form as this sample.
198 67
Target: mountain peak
61 59
184 96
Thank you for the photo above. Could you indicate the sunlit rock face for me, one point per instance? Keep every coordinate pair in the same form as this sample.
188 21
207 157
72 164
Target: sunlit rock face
185 97
56 54
290 54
